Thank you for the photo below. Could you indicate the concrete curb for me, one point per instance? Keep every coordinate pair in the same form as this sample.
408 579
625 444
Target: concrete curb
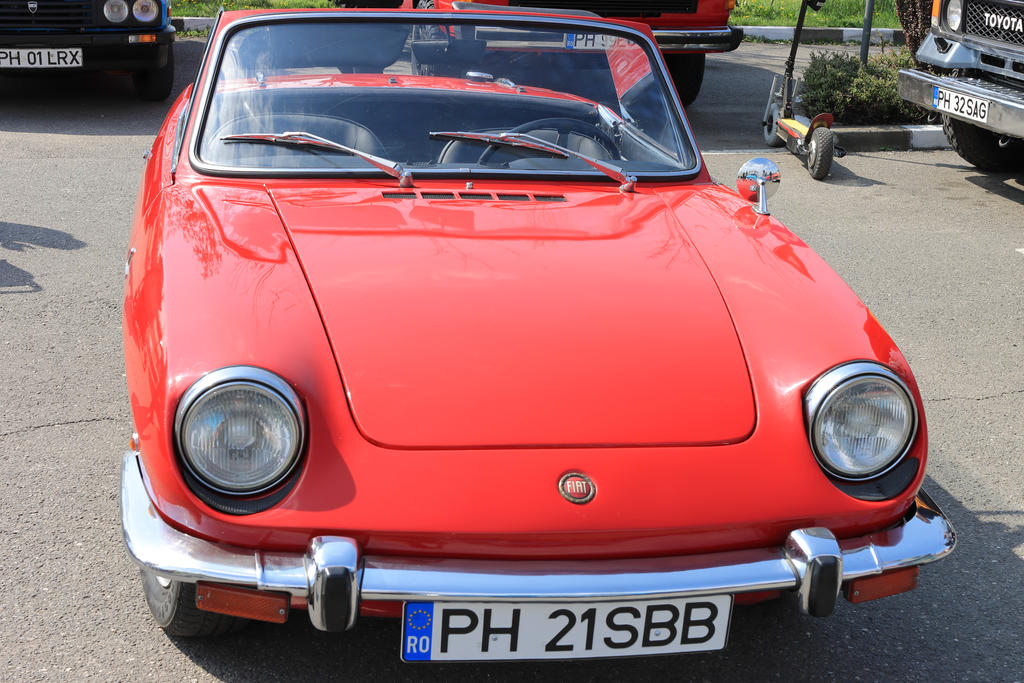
825 35
896 138
853 138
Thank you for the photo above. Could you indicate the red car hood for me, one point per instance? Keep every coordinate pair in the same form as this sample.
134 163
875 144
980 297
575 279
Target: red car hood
584 320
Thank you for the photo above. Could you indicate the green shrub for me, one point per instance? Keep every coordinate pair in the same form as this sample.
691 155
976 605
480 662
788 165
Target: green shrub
836 82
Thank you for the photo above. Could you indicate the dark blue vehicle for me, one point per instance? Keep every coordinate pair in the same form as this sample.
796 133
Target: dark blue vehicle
95 35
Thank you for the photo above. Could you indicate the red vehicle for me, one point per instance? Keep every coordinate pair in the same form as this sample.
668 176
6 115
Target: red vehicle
461 330
685 30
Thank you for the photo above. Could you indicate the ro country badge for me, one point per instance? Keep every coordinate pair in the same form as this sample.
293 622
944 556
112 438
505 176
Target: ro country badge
417 631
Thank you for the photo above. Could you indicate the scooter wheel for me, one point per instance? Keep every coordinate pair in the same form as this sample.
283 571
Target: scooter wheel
820 152
771 131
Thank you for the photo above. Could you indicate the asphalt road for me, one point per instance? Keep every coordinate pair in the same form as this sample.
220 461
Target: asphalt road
932 246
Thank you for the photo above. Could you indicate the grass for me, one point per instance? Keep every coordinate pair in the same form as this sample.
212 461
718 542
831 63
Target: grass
199 8
835 13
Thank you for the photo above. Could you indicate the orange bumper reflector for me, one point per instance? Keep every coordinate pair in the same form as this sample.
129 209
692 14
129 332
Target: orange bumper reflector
242 602
883 585
143 38
936 8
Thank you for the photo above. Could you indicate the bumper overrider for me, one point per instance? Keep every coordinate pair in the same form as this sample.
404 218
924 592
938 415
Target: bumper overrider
334 577
722 39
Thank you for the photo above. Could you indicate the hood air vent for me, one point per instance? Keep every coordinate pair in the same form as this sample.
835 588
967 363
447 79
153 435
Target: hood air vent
476 196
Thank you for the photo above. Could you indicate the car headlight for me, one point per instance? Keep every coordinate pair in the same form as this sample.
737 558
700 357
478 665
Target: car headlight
116 11
240 429
954 14
145 10
861 419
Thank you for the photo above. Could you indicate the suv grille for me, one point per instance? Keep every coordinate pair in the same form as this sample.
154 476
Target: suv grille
15 14
993 21
616 8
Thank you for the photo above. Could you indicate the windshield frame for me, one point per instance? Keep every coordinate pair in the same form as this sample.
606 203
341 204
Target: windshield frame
215 55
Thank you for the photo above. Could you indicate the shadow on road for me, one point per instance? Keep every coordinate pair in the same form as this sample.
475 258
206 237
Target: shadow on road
1007 186
728 112
90 103
14 280
967 585
20 238
17 237
841 175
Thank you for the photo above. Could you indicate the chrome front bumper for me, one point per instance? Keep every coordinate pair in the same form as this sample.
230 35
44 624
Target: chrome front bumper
721 39
335 578
1005 113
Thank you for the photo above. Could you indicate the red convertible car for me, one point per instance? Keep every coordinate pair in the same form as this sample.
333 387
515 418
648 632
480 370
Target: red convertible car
440 316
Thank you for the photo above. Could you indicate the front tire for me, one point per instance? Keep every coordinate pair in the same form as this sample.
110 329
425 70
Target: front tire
687 72
980 147
155 85
820 152
173 605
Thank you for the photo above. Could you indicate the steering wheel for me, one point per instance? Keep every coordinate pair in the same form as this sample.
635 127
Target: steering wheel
563 126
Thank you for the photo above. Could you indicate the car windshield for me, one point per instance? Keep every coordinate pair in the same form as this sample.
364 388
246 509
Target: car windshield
340 93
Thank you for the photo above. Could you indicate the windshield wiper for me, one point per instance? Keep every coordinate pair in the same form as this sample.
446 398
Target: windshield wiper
526 141
303 139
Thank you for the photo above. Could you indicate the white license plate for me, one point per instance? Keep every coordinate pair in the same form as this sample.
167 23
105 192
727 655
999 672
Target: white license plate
41 58
973 108
462 631
588 41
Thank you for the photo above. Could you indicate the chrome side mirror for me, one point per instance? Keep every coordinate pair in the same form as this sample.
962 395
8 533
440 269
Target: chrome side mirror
758 180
